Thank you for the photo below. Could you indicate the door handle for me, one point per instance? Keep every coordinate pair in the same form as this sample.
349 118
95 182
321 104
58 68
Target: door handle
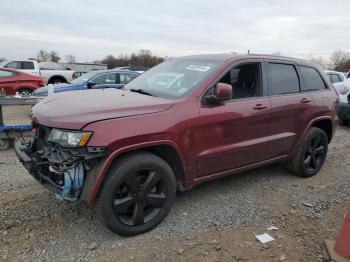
259 107
305 100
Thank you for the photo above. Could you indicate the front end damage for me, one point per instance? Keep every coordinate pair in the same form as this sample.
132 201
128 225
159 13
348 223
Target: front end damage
59 169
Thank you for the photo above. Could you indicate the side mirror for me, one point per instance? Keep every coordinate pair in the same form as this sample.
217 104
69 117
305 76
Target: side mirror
90 85
222 93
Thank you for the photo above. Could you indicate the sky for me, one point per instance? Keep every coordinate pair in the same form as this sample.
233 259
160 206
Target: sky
92 29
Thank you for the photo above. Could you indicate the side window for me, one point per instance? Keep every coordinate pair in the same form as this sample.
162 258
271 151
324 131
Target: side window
27 65
4 74
334 78
245 80
125 78
283 79
312 79
105 79
14 64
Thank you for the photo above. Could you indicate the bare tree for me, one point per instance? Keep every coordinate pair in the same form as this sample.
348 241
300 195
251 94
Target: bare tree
319 60
70 59
54 57
340 60
143 58
43 56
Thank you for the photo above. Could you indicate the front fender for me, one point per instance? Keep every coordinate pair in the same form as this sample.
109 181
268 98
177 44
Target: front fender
102 171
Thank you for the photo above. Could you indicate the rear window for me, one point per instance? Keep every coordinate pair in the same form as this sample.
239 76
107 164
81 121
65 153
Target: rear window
312 79
283 79
4 74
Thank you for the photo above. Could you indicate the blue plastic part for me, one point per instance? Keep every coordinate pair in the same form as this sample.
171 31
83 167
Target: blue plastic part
18 128
73 184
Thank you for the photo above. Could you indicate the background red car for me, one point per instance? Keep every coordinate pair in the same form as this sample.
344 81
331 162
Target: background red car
12 81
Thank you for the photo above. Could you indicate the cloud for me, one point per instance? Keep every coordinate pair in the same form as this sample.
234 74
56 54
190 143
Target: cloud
92 29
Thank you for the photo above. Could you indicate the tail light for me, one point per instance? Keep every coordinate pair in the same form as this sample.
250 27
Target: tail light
41 82
74 75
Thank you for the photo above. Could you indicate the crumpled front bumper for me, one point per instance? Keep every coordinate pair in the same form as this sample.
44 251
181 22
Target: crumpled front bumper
60 170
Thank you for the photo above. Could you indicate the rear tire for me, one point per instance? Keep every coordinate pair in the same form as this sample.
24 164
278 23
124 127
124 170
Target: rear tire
137 194
311 155
57 80
25 92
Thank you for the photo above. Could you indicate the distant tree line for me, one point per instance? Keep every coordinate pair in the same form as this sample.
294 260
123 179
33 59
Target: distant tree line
142 58
338 61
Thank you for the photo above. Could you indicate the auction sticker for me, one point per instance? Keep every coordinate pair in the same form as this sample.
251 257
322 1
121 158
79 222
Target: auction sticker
201 68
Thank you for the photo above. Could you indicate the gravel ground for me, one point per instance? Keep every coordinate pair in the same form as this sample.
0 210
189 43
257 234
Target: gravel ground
214 221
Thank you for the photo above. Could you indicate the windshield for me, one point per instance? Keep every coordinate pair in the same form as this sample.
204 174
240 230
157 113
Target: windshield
174 78
85 77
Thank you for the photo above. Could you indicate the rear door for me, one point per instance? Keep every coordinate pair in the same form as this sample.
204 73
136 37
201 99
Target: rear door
291 108
8 81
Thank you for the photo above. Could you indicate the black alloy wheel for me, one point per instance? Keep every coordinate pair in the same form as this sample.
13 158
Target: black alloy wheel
315 154
137 193
140 197
311 155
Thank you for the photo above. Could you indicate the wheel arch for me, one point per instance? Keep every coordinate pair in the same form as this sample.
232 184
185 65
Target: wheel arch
58 77
167 150
326 125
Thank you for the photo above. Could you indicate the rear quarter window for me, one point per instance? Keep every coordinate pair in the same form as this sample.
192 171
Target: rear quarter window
312 79
4 74
283 79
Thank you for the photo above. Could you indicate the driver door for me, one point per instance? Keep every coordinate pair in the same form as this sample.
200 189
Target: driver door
235 133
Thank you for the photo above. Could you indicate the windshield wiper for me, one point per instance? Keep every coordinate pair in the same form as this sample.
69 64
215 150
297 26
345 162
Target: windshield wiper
141 91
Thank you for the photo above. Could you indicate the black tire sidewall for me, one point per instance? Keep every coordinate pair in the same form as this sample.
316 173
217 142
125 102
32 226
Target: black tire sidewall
25 90
314 132
116 176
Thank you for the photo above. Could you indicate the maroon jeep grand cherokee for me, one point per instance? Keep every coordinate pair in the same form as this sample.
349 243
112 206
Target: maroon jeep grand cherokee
184 122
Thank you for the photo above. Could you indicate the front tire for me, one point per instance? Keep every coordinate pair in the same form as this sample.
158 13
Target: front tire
137 194
312 153
25 92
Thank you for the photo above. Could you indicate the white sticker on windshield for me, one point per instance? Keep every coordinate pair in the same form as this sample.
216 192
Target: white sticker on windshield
198 68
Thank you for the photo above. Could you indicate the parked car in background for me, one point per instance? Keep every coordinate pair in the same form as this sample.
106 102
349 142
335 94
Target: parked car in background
94 80
138 69
335 77
343 89
129 151
51 76
12 81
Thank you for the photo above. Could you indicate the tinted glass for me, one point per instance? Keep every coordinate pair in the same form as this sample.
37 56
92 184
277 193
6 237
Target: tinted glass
125 78
334 78
105 79
283 79
6 73
27 65
14 64
312 79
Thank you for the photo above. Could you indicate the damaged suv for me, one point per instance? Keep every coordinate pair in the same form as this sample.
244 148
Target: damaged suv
186 121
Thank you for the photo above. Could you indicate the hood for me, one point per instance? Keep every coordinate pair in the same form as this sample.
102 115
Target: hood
57 88
74 110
